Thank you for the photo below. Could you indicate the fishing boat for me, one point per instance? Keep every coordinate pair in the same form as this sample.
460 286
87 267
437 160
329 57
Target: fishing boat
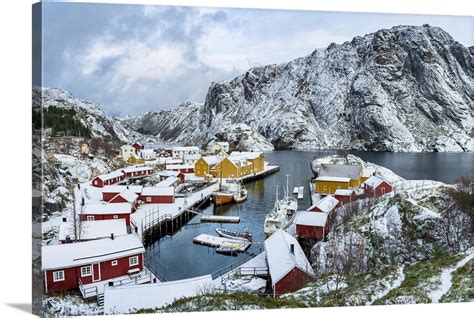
241 194
223 195
245 236
282 213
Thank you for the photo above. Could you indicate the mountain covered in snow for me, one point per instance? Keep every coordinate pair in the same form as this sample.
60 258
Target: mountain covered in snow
90 115
408 88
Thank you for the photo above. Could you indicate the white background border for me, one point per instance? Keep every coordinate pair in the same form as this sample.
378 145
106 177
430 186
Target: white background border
15 132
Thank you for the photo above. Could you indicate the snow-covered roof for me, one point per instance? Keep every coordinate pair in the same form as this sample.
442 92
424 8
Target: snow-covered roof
336 179
126 146
147 151
153 295
128 195
111 175
158 191
120 188
179 166
344 192
136 169
167 182
246 154
169 173
173 161
280 259
85 253
92 230
374 181
188 148
107 208
326 204
340 170
222 143
211 160
311 218
192 156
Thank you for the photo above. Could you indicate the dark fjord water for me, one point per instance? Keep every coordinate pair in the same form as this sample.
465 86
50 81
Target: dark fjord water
180 258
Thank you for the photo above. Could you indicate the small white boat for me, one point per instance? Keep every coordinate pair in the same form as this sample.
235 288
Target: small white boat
245 236
241 194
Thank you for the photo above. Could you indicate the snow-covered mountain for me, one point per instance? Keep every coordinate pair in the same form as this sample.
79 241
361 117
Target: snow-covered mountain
408 88
90 114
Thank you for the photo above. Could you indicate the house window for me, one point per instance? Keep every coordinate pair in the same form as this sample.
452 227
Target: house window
148 199
325 187
115 216
133 260
86 271
58 276
114 263
90 218
95 182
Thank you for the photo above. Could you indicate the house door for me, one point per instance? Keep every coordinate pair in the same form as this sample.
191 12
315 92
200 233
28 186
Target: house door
96 272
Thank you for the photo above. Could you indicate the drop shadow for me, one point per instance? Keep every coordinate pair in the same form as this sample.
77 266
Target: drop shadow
25 307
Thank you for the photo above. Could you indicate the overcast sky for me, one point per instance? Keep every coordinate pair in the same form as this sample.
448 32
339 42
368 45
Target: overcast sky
130 59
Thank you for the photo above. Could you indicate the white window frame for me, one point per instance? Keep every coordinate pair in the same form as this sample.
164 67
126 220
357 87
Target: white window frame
325 187
148 199
90 218
114 263
115 216
86 274
132 262
58 279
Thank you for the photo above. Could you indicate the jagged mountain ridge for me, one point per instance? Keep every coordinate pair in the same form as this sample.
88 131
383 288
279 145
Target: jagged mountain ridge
408 88
90 114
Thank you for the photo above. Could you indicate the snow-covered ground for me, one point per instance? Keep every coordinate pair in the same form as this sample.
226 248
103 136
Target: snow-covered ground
445 278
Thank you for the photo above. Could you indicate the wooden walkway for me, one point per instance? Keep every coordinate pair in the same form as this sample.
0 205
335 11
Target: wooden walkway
220 218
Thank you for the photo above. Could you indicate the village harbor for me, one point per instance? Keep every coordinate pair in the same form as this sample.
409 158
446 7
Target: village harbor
117 240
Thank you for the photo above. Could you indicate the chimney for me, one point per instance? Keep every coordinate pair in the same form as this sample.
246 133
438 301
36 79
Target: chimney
64 219
111 236
292 249
82 201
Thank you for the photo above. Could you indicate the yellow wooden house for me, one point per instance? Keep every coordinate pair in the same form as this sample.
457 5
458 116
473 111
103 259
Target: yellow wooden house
204 165
329 185
352 171
257 159
134 160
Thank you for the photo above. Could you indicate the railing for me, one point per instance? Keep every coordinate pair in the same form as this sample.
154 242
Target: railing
88 292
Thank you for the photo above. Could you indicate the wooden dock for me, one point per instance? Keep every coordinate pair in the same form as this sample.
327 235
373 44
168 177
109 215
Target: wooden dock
216 241
256 176
220 218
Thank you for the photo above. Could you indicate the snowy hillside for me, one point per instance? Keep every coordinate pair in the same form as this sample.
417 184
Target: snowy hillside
408 88
91 115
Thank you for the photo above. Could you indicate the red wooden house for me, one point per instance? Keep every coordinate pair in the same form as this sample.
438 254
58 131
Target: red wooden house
168 173
69 266
108 179
327 205
137 172
345 195
157 195
126 196
138 146
168 182
375 187
106 211
288 266
110 192
180 167
312 225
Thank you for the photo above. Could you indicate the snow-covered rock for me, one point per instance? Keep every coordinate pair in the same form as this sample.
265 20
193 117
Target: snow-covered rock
408 88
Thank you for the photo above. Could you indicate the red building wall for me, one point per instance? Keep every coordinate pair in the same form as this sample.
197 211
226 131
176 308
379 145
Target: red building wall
293 281
73 274
158 198
346 199
97 182
315 232
98 217
382 189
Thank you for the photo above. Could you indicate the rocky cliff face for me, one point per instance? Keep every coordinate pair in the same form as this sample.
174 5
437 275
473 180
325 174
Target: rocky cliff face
408 88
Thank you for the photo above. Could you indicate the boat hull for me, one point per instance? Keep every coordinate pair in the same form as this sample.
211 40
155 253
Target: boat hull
222 198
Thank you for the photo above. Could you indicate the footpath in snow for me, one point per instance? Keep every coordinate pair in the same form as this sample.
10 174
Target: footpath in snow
446 277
